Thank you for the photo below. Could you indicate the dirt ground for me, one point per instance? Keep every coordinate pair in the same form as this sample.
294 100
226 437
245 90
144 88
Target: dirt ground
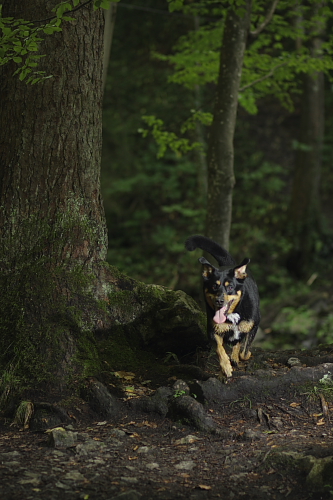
275 443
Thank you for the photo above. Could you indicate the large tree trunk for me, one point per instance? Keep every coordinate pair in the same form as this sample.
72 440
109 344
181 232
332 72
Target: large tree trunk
221 151
51 146
52 223
56 290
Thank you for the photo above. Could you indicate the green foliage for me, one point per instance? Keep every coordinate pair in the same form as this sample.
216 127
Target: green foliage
323 388
272 62
165 139
21 38
152 205
325 331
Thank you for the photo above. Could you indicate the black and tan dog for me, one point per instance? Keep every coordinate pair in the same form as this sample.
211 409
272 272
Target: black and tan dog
232 302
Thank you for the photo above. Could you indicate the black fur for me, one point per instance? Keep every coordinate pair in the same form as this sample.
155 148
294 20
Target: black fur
232 299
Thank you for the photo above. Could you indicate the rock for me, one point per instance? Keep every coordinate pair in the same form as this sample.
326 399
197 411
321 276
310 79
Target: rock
89 447
47 415
251 435
189 439
131 480
173 321
144 449
185 465
74 476
293 362
152 466
319 470
32 478
99 399
117 433
181 387
60 438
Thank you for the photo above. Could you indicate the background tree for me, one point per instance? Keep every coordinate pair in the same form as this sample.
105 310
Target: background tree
220 161
271 66
304 209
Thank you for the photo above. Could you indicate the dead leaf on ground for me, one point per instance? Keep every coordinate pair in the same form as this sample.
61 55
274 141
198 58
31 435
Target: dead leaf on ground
124 375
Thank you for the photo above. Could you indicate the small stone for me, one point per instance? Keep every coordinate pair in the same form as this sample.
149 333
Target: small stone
293 362
187 439
152 465
60 438
118 433
251 435
186 465
144 449
61 485
74 476
90 446
131 480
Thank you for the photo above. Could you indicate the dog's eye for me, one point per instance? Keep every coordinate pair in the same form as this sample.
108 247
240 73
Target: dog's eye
230 289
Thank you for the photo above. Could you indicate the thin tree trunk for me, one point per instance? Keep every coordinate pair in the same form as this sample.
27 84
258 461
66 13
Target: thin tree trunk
304 207
220 160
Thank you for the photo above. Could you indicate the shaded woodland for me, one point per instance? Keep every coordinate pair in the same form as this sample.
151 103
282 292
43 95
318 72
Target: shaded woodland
281 207
108 385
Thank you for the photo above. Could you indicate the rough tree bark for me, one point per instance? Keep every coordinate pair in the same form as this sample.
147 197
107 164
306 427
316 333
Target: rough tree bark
220 161
59 300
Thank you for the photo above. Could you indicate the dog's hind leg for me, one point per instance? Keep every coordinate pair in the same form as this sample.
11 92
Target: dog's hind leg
245 354
224 360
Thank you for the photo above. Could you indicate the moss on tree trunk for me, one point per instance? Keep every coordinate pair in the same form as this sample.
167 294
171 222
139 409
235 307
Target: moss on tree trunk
64 313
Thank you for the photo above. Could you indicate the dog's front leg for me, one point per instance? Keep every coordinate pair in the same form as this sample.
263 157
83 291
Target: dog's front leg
226 368
235 354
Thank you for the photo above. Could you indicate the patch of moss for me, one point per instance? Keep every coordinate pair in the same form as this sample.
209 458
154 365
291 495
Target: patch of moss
47 304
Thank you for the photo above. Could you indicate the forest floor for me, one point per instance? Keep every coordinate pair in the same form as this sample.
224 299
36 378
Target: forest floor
275 443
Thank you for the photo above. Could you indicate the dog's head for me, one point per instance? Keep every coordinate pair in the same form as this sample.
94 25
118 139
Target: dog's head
223 289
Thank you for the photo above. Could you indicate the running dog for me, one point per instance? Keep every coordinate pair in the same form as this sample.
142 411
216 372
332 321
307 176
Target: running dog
232 303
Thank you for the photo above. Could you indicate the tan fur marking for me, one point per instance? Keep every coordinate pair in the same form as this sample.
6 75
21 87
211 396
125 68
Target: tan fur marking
206 271
240 273
235 353
224 360
221 328
245 326
235 299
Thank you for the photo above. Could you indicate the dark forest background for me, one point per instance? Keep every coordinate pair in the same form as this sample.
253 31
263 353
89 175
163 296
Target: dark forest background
154 203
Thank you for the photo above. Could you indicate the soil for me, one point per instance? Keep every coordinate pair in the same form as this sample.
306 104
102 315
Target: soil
271 437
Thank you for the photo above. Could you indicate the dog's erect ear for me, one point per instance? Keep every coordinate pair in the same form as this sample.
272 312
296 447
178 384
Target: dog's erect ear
207 268
240 271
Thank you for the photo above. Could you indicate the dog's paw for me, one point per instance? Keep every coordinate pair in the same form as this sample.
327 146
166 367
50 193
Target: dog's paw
234 318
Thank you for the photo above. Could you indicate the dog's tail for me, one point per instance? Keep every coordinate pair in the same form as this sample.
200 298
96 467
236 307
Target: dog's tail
207 245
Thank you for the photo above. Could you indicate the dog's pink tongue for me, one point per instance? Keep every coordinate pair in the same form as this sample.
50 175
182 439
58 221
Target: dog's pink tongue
220 316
